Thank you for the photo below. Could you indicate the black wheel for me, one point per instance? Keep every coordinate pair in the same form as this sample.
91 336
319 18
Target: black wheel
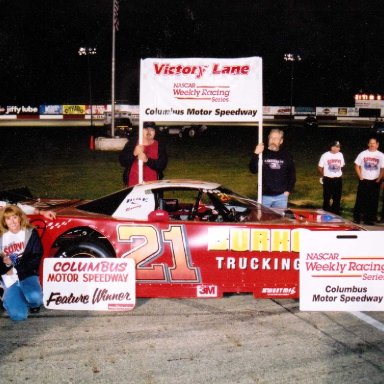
85 249
191 133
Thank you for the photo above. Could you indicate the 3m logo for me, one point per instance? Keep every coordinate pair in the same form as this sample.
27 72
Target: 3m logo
206 291
279 291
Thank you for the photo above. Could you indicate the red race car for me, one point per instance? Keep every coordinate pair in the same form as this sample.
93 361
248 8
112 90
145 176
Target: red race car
188 238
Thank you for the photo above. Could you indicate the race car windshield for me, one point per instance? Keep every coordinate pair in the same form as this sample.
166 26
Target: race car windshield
106 205
243 208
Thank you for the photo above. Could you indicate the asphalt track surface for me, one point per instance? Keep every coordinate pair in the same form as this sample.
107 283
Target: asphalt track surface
236 339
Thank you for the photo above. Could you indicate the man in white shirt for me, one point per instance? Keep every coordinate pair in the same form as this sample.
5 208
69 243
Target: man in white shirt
330 168
369 167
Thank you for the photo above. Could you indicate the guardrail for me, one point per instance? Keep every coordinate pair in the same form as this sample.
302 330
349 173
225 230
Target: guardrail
363 122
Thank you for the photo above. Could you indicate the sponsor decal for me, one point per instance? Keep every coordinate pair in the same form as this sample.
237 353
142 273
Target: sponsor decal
279 291
255 263
206 291
252 239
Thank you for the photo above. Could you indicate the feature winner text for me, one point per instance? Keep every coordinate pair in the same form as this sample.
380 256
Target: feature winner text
99 295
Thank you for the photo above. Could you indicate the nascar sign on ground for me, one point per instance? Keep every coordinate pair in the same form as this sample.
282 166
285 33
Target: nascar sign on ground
89 284
201 89
341 271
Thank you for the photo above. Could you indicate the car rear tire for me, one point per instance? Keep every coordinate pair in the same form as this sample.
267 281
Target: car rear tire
84 249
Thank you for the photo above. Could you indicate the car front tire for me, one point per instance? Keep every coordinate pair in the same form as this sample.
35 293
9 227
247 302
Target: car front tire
84 249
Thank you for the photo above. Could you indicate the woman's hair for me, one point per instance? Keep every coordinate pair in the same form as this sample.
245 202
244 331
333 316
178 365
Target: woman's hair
11 210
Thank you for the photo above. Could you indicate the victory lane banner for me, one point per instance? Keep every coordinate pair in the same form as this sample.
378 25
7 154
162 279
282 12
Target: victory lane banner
89 284
201 89
341 271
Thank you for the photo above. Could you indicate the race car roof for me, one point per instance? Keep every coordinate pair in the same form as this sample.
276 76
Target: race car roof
141 201
176 183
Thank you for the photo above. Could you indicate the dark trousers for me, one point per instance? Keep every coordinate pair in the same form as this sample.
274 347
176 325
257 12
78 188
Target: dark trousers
367 200
332 188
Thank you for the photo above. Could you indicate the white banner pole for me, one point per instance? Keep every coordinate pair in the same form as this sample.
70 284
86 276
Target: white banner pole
141 122
260 165
114 15
141 164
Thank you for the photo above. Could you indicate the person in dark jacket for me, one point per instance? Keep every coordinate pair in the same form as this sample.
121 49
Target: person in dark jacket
21 251
152 152
279 172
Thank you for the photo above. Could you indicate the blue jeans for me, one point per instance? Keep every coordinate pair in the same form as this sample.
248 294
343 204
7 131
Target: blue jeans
278 201
21 296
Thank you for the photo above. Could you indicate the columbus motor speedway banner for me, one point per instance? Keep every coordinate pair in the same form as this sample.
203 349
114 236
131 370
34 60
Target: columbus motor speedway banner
341 271
201 89
89 284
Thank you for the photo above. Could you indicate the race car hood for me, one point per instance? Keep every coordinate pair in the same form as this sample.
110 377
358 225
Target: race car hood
57 205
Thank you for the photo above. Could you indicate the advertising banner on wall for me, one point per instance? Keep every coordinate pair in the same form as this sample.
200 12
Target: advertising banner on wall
19 110
95 109
51 109
74 109
341 271
201 89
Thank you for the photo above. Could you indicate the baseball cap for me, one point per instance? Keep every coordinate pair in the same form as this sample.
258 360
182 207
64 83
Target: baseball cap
149 124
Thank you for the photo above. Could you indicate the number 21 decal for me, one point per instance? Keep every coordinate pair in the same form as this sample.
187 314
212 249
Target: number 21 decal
149 244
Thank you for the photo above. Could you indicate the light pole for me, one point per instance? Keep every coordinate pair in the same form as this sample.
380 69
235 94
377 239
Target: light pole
291 57
89 51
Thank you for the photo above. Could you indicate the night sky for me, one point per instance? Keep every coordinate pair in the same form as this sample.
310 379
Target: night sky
340 43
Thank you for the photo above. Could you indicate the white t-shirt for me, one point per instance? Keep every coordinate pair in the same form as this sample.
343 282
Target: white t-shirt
371 163
12 243
332 164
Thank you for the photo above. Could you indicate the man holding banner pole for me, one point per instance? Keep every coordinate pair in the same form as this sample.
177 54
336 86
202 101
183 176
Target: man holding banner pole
144 158
279 173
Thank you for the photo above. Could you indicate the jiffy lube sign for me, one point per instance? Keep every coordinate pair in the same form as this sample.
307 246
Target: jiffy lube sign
89 284
341 271
201 89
